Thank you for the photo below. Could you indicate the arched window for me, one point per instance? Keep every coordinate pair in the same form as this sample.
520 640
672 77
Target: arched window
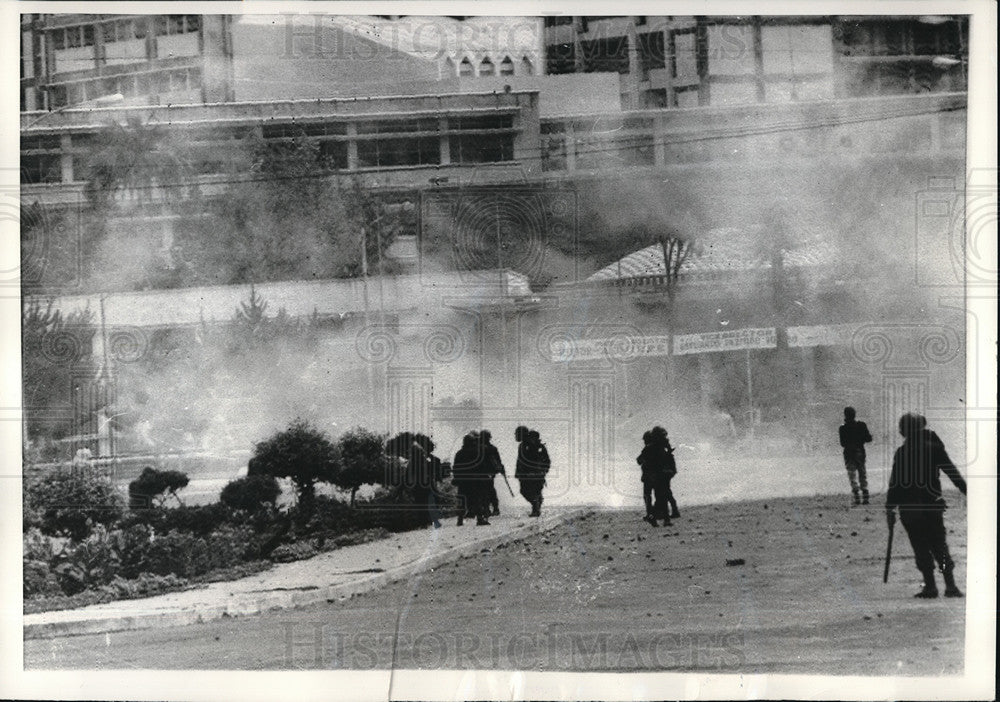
465 68
526 67
486 67
450 69
506 66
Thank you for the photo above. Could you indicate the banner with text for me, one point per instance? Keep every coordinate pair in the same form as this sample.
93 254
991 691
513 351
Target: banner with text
619 348
735 340
825 335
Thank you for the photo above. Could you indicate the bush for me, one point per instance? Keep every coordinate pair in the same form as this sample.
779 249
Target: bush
302 453
298 551
250 493
199 520
89 563
153 484
71 504
362 460
187 555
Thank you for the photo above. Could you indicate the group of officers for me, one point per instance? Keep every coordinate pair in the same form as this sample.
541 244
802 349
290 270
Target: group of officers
473 472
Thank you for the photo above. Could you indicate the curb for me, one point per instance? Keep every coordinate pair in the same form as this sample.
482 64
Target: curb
291 599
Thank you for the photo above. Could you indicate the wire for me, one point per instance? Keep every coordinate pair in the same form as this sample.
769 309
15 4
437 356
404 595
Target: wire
636 141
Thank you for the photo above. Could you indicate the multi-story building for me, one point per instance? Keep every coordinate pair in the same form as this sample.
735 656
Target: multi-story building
677 61
172 59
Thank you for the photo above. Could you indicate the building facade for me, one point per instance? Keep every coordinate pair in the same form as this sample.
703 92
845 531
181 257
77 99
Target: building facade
686 61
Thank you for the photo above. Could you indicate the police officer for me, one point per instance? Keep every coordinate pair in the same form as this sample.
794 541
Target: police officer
532 466
495 467
472 471
853 437
424 473
915 488
658 468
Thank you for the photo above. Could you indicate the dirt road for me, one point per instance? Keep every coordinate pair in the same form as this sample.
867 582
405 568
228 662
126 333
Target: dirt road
787 585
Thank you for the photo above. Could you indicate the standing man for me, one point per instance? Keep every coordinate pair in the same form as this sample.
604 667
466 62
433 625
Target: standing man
853 437
657 463
472 470
532 466
495 466
915 488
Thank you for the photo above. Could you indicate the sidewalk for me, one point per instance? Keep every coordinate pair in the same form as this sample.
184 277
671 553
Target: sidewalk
335 575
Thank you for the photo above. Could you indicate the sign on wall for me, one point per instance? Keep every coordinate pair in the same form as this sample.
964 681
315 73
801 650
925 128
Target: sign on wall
735 340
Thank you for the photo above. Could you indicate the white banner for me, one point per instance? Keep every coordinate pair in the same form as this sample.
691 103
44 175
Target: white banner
766 338
618 348
825 335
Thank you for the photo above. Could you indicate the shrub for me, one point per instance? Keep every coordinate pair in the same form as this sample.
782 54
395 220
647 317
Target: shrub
302 453
39 580
200 520
187 555
155 485
71 504
362 460
91 562
250 493
298 551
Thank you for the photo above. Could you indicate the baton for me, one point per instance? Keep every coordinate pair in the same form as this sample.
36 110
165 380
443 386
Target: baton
508 484
888 553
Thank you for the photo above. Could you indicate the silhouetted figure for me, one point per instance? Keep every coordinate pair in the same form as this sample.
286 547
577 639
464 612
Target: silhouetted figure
658 469
472 469
533 465
853 437
425 471
495 466
915 488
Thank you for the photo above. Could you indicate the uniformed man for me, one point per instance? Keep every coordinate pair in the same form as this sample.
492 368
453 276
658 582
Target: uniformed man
658 468
532 466
495 467
915 489
853 437
471 468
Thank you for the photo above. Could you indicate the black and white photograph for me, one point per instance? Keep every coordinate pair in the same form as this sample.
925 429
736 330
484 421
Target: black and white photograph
519 354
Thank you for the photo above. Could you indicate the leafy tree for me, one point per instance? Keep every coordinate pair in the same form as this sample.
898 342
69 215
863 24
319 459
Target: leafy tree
155 485
362 461
54 349
300 452
251 492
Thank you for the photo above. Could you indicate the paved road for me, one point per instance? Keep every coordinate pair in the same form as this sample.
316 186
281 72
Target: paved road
607 592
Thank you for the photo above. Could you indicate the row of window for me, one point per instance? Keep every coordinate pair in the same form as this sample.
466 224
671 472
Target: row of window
130 85
467 69
123 30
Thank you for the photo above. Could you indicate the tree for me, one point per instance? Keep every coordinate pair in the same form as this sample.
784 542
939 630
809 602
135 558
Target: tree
251 492
155 485
54 349
302 453
362 461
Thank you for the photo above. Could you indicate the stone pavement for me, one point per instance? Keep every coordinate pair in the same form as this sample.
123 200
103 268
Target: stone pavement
334 575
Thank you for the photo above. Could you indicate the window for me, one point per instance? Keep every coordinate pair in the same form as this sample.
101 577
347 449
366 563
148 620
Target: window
40 159
398 126
651 52
74 37
560 58
88 35
413 151
193 22
162 25
469 148
486 67
527 67
465 68
141 28
58 38
605 55
558 21
482 122
506 66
